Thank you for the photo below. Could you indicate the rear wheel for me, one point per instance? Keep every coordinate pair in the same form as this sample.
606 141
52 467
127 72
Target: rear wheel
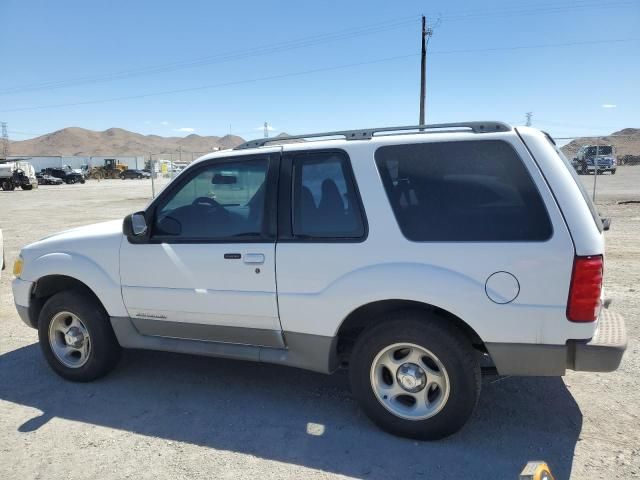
76 337
613 172
414 376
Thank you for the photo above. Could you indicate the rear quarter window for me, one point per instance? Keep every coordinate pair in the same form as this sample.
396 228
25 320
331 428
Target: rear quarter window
472 191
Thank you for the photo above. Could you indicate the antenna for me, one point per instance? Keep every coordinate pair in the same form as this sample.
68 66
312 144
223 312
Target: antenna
266 130
529 115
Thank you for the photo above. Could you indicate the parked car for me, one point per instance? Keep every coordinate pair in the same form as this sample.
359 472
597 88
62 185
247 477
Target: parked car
132 173
595 159
44 179
409 258
67 176
17 174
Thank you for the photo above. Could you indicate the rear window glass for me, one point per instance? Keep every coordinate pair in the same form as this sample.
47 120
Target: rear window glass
472 191
574 175
599 150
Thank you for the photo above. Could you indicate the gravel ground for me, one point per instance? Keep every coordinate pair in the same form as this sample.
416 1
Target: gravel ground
173 416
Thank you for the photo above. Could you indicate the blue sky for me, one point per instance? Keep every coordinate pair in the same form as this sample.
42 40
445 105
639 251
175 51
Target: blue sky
313 66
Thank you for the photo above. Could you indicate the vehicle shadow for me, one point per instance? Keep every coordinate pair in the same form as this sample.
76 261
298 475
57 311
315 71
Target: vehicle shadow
298 417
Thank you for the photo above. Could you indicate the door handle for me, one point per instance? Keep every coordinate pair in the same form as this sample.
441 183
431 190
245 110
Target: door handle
253 258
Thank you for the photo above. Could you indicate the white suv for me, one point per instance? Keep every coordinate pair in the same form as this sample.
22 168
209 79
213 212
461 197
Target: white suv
413 255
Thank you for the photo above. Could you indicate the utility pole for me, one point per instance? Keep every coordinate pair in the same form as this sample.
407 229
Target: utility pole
5 141
529 115
426 34
266 130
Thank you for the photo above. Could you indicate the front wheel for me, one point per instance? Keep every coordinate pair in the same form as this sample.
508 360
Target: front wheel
415 376
76 337
613 172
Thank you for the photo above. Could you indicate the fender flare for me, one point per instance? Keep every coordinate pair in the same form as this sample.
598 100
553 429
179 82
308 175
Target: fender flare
106 288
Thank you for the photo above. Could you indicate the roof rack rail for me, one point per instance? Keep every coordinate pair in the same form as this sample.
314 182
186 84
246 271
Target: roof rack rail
367 134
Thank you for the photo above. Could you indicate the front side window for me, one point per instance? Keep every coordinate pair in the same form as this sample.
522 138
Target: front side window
325 203
224 200
472 191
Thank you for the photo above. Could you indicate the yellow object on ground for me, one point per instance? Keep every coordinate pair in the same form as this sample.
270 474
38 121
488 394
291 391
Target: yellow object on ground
536 470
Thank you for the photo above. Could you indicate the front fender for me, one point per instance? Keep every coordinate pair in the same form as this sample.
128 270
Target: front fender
105 285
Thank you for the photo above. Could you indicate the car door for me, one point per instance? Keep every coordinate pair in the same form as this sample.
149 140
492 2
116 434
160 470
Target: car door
207 269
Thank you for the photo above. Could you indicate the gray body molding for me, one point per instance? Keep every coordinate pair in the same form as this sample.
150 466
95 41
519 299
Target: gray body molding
310 352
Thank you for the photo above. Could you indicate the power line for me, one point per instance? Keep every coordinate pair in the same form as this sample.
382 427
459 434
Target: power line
528 47
313 40
219 58
307 72
217 85
538 9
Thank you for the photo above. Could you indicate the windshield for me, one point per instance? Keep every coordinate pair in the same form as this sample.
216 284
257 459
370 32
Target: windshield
574 175
601 150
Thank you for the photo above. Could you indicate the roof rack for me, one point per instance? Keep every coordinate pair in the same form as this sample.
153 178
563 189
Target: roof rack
367 134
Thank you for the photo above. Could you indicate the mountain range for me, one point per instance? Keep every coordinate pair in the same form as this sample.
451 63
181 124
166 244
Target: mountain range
117 141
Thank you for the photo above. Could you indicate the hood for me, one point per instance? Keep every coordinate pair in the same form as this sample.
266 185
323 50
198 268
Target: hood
76 239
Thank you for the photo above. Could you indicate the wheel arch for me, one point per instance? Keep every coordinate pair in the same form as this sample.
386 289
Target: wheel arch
48 286
373 313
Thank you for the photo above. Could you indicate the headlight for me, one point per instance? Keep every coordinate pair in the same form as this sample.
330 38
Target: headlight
17 267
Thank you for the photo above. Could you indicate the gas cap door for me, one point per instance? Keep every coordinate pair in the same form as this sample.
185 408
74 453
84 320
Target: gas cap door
502 287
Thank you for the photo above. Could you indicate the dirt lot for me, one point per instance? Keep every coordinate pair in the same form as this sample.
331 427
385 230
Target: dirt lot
170 416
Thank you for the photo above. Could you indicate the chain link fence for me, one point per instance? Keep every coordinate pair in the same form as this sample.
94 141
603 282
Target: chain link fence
164 167
608 166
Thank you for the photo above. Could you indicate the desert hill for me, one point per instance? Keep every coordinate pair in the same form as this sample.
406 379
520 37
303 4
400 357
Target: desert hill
625 142
116 141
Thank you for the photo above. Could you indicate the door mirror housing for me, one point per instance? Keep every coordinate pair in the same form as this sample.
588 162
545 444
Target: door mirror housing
134 226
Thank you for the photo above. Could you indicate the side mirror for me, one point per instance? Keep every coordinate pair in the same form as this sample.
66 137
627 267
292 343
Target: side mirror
134 225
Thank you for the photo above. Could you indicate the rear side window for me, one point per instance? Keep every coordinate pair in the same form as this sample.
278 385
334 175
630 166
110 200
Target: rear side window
472 191
325 202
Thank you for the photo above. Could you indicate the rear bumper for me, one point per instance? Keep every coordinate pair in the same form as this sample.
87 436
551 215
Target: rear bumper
603 353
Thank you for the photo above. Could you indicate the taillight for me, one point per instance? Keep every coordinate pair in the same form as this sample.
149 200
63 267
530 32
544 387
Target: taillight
585 290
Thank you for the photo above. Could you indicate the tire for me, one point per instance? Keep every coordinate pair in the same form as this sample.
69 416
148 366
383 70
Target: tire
450 348
613 172
27 187
139 177
103 348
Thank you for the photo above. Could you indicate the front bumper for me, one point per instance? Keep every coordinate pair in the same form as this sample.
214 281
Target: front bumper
603 353
21 297
601 168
